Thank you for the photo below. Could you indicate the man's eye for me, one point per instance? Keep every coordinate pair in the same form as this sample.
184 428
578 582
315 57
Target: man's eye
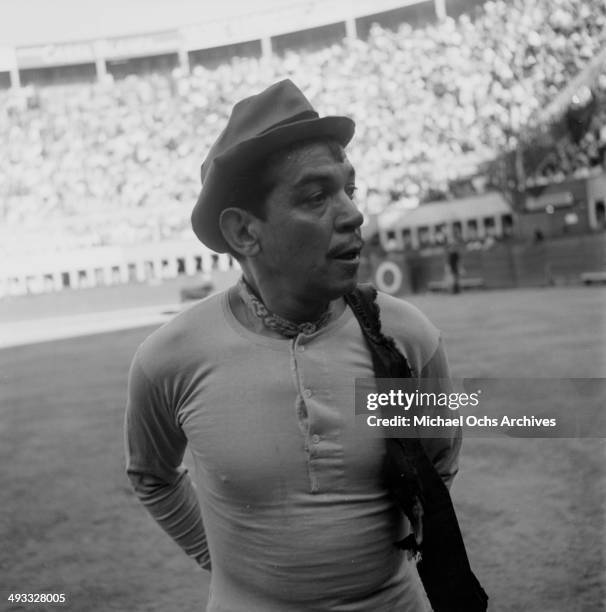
318 197
350 190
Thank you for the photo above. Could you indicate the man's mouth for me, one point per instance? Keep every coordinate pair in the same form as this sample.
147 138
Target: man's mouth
351 254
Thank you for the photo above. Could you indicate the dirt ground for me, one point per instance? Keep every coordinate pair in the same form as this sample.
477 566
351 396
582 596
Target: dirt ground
533 511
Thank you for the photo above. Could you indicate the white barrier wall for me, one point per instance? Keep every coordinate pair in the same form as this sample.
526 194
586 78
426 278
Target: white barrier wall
42 273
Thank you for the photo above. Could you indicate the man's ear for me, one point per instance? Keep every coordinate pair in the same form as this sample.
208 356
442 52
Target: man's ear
239 228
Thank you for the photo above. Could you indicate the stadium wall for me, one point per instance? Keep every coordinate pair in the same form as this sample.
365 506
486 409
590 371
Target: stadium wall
102 266
559 261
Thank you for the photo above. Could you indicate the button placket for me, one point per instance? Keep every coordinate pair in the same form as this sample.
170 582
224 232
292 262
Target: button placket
312 441
305 393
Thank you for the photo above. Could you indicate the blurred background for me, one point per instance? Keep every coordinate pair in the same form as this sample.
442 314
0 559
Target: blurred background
480 149
479 124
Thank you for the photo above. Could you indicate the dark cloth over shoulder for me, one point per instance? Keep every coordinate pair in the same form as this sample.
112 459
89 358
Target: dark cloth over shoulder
444 569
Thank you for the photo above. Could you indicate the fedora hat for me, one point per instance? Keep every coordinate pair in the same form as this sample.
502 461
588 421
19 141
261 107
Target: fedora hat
257 126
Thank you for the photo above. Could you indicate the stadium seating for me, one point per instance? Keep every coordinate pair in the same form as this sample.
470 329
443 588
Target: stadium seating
117 162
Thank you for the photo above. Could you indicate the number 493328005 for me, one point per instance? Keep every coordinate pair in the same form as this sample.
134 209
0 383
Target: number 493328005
37 598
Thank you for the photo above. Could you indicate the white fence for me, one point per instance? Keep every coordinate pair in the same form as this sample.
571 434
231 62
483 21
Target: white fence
42 273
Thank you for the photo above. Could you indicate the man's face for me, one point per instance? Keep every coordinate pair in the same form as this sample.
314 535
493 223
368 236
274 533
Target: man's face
310 238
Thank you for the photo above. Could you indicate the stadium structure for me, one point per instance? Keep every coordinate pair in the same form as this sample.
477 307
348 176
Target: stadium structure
528 222
264 28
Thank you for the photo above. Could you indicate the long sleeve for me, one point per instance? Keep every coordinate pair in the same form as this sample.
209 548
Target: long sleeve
155 446
444 450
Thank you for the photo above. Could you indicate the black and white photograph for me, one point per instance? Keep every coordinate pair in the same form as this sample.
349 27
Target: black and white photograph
303 306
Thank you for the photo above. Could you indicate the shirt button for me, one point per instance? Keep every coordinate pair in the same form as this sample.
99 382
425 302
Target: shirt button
307 393
315 439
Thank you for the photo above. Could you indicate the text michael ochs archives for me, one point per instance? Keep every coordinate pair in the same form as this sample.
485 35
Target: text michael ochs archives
397 398
482 407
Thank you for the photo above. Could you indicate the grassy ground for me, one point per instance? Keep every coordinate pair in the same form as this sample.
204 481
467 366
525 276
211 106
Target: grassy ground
533 511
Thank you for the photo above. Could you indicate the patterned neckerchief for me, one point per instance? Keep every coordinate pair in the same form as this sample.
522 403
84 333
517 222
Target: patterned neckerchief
275 322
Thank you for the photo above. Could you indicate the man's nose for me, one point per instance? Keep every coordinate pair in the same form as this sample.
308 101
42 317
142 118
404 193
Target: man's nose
349 216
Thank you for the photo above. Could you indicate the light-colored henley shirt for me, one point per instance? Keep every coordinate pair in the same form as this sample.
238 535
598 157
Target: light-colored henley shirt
288 502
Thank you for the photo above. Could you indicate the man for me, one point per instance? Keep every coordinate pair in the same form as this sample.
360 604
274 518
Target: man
290 512
453 267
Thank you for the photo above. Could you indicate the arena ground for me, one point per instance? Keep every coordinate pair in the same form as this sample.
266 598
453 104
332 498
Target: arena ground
52 316
533 511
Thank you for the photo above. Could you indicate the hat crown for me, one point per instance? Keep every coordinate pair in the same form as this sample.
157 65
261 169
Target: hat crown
278 105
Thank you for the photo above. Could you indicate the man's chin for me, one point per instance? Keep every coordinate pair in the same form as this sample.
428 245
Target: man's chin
336 284
346 285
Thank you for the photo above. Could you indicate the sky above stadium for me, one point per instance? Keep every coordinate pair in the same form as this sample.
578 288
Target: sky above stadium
24 22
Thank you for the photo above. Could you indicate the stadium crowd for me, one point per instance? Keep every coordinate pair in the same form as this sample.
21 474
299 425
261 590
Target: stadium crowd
116 162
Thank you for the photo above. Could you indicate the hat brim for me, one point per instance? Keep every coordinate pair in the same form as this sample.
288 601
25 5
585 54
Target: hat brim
217 184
